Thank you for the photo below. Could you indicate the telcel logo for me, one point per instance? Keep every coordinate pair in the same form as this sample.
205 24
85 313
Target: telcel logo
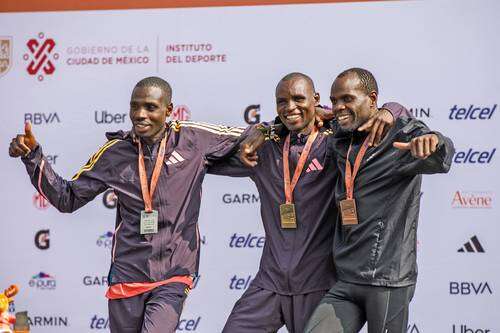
474 156
237 283
472 112
99 323
249 240
188 324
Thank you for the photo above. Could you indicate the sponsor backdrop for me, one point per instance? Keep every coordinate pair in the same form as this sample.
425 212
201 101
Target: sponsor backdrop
71 74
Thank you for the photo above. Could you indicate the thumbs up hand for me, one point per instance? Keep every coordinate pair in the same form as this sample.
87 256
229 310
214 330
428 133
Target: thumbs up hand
421 147
23 144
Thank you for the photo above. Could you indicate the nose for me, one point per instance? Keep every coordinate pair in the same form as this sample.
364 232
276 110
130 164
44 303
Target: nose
139 113
290 106
338 107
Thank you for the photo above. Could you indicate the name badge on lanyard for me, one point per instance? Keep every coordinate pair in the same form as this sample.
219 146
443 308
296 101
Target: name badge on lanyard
287 210
149 217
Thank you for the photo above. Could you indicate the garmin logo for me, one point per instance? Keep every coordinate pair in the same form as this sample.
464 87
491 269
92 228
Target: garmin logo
52 321
240 198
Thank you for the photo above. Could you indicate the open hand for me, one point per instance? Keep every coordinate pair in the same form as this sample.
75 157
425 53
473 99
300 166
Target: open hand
378 126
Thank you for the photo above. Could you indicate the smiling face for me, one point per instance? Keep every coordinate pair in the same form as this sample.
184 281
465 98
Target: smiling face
149 109
351 104
295 104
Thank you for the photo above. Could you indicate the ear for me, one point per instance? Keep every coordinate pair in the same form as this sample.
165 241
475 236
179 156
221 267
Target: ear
373 99
316 99
170 107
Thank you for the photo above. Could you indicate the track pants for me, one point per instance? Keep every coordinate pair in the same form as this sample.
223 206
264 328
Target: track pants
348 306
156 311
264 311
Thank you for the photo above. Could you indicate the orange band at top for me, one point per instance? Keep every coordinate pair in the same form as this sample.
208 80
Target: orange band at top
66 5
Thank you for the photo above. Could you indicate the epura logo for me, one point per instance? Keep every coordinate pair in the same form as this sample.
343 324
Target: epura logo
472 112
41 57
463 328
42 239
472 246
109 199
240 283
41 118
95 280
472 199
5 54
53 321
105 240
470 288
412 329
181 112
249 241
421 112
252 114
473 156
105 117
240 198
40 202
43 281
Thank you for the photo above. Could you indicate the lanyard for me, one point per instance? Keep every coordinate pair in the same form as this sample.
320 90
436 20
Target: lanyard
290 186
147 193
350 174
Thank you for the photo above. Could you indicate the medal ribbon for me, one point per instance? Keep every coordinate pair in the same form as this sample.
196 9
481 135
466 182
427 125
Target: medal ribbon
290 186
147 193
350 174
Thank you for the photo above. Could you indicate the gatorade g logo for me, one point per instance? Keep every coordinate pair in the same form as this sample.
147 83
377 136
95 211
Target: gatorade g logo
252 114
42 239
41 56
109 199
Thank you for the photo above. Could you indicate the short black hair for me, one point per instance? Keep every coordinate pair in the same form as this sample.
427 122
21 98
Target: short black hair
296 75
368 82
155 81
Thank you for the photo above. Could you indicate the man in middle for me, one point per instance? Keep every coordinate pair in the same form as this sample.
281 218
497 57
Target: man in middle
295 178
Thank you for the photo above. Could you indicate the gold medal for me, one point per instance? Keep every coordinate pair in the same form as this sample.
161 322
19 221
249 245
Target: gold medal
287 210
348 212
287 214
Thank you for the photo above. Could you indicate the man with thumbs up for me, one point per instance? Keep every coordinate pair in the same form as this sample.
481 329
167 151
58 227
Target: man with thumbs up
156 244
378 197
